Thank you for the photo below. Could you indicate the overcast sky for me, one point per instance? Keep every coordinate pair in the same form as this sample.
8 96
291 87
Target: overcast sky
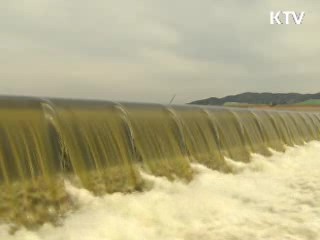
148 50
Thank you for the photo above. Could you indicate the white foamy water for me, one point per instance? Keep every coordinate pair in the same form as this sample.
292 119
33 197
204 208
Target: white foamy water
270 198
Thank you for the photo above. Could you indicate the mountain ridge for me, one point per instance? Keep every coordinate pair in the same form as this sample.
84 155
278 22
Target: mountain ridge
259 98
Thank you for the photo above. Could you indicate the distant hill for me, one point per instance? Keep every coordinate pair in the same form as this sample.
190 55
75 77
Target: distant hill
261 98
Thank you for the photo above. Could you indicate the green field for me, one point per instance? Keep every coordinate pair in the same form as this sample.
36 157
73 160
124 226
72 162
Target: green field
310 102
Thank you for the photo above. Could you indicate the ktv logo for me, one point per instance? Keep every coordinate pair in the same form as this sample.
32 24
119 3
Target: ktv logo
286 17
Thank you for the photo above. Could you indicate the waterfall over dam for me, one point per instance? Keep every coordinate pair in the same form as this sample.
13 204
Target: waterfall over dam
103 146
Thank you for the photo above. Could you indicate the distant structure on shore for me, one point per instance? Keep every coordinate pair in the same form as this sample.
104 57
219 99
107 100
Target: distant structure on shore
270 99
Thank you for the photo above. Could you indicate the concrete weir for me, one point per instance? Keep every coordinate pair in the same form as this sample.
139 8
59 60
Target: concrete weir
102 146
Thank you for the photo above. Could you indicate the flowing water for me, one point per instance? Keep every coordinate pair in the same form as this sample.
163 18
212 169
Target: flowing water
65 164
272 198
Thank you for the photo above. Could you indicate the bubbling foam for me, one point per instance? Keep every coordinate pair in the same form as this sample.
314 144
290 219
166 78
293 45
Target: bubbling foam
274 197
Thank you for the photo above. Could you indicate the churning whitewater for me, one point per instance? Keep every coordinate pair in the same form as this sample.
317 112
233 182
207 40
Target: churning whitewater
275 197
